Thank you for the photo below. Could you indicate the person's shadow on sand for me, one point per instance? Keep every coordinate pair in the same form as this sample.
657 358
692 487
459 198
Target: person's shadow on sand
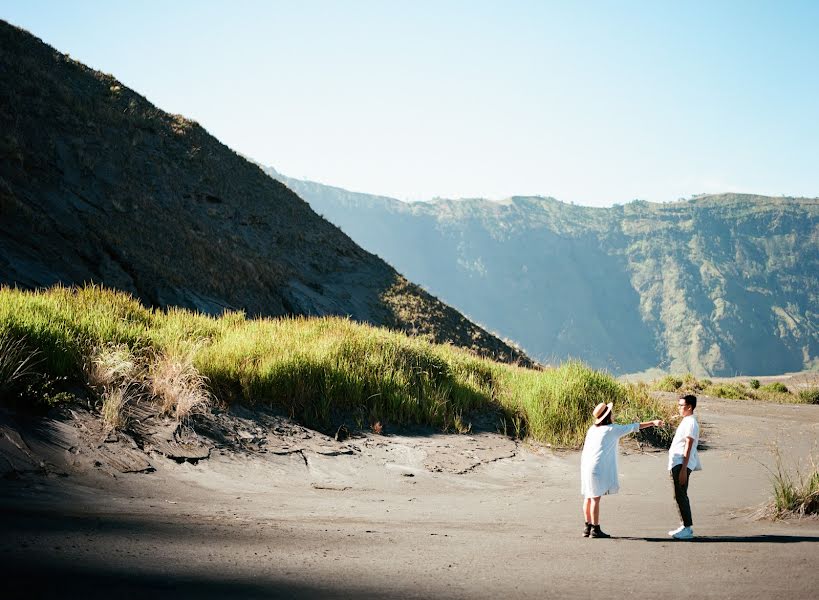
732 539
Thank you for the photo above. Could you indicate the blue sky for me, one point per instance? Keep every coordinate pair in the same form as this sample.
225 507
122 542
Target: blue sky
590 102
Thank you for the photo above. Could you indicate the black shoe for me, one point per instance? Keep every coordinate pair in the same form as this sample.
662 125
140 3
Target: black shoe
596 532
587 530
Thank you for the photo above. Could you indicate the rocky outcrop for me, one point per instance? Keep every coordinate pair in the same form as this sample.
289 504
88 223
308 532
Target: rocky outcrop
715 285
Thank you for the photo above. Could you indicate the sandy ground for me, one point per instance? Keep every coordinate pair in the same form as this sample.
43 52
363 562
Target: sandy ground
412 516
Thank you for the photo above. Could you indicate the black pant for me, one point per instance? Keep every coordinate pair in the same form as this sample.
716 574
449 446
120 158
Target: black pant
681 495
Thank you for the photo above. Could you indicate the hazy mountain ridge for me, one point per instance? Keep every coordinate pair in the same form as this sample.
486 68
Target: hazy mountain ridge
716 285
97 184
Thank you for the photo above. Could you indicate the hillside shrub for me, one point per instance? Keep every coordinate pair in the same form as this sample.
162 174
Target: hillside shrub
754 384
693 385
639 403
669 383
776 386
809 395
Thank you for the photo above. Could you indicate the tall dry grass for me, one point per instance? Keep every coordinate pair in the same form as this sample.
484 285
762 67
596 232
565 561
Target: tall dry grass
115 375
115 402
18 365
795 493
178 386
110 365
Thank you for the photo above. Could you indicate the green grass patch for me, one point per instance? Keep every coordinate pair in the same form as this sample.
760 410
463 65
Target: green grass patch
771 392
774 395
736 390
318 370
733 391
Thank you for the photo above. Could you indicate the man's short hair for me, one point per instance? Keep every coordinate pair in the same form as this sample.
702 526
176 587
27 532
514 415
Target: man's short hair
690 400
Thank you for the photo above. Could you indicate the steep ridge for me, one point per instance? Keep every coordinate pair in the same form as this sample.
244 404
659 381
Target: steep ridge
715 285
97 184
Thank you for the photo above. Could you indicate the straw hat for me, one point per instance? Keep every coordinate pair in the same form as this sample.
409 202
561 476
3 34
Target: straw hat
601 411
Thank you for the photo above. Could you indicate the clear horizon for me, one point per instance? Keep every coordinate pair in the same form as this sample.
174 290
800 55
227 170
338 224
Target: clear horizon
594 104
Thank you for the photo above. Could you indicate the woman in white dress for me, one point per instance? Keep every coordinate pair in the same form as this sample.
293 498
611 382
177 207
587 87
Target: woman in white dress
598 464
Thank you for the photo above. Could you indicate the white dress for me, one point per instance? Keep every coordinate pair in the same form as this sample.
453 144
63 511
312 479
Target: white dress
598 463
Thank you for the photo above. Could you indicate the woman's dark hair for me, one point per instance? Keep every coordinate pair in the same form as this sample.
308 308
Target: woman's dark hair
606 421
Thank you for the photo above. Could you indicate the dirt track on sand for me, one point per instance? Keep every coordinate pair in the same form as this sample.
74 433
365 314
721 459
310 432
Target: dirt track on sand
426 516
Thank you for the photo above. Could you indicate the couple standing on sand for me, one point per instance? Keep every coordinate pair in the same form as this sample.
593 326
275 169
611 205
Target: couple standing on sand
598 464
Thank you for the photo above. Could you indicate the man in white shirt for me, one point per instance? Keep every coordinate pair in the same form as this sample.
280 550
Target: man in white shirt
682 459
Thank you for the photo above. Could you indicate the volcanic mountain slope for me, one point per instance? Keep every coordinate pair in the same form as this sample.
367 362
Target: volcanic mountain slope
716 285
97 184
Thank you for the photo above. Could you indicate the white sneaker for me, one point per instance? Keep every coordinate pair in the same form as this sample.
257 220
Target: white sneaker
674 532
686 533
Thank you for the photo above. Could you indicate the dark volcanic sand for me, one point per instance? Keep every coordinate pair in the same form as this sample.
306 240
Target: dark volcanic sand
426 516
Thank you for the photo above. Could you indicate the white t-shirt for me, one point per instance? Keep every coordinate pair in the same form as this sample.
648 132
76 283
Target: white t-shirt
688 428
598 463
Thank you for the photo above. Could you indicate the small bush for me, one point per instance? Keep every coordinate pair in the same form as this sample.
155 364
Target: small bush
809 395
669 383
754 384
776 386
640 405
694 385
